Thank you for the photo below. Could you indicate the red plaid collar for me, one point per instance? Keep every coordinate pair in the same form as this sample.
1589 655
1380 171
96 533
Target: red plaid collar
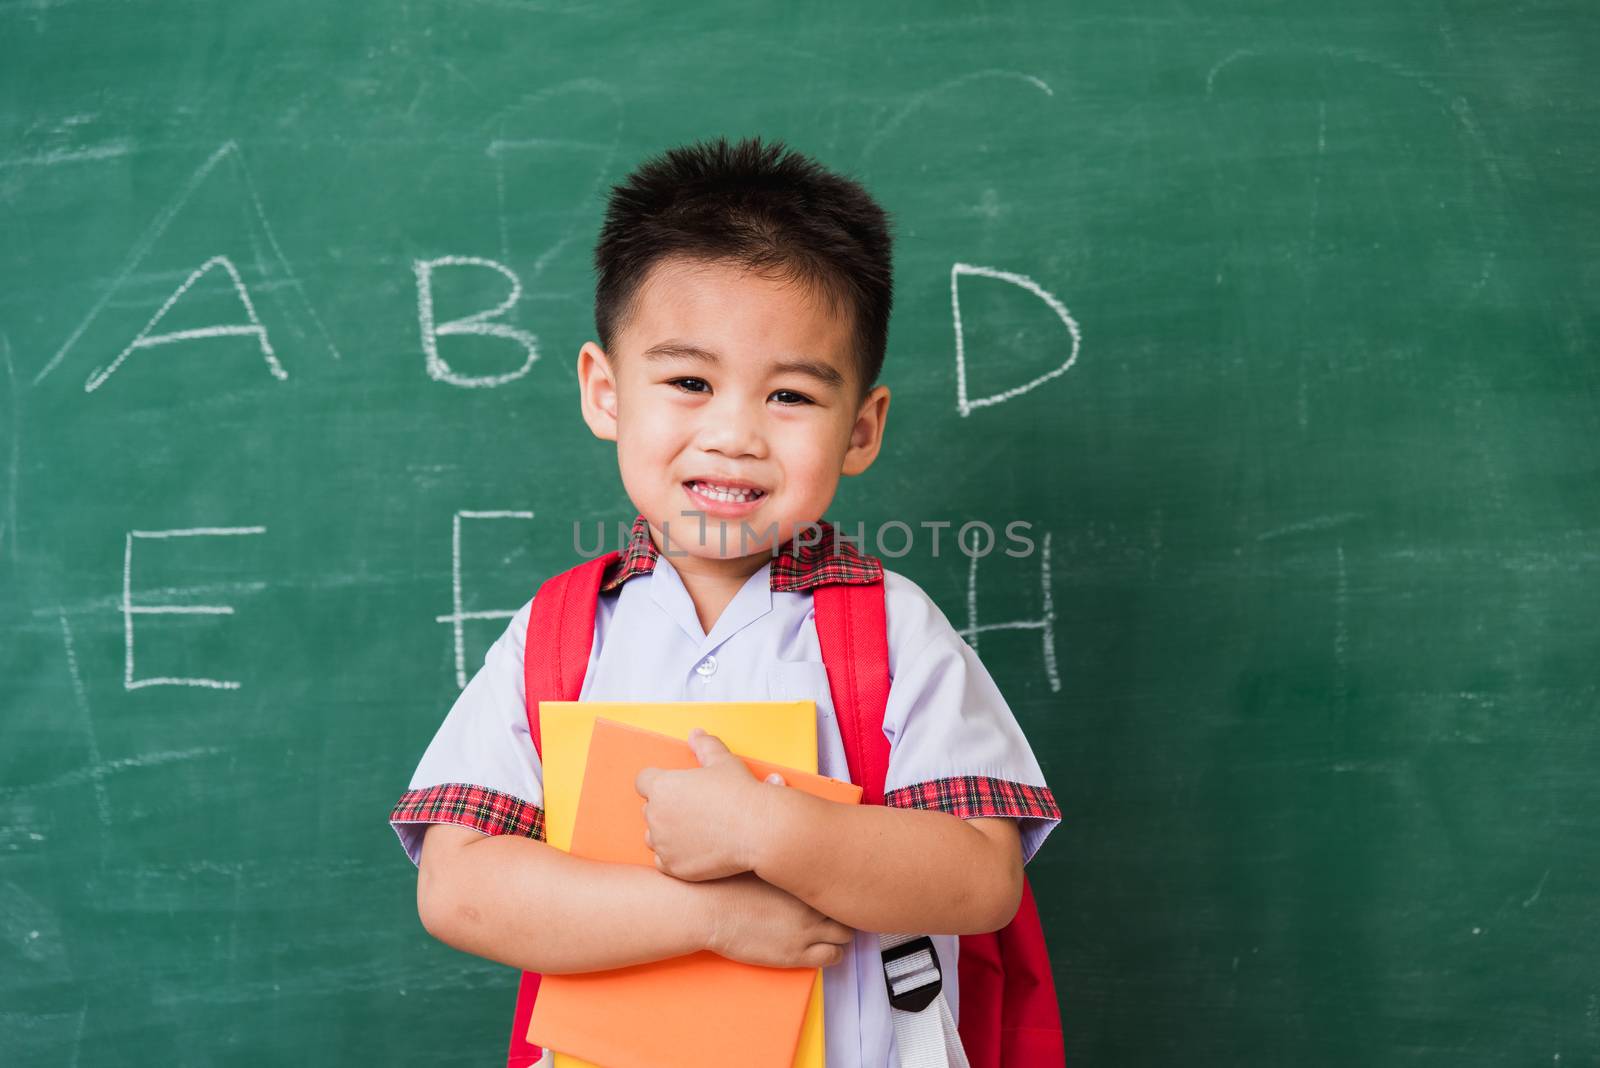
833 560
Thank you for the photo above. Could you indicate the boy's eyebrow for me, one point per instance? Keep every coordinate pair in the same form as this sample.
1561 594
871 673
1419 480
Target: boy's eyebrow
682 350
828 376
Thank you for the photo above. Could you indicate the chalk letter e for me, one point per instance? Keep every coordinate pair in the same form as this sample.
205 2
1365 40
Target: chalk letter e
129 609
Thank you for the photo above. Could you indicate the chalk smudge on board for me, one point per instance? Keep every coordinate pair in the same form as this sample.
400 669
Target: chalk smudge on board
921 98
8 529
94 772
80 697
1538 889
1321 522
57 156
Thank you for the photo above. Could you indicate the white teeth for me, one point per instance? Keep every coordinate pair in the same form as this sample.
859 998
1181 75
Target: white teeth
725 493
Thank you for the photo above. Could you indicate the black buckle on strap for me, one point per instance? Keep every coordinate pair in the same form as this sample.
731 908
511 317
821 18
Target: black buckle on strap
917 998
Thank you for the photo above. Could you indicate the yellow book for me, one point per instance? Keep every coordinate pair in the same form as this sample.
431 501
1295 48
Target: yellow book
780 732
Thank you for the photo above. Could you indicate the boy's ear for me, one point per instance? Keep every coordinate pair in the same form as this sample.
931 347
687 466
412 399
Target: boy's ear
866 437
597 391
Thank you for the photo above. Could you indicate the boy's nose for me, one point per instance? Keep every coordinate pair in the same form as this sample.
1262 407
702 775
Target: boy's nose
731 430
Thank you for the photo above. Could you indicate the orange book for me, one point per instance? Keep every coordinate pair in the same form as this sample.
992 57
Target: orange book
697 1011
782 732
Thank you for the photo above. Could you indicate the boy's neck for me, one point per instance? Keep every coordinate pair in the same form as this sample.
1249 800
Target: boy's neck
711 582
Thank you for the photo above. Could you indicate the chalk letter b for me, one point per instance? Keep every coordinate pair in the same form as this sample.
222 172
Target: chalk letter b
480 323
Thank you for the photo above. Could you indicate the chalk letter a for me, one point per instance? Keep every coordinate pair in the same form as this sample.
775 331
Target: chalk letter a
147 340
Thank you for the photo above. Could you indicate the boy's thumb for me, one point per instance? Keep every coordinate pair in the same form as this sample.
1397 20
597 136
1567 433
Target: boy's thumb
775 779
706 746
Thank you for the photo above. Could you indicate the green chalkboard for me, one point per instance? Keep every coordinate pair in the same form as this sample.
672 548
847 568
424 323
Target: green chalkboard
1278 320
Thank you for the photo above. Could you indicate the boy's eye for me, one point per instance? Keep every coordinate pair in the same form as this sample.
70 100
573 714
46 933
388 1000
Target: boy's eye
691 385
789 396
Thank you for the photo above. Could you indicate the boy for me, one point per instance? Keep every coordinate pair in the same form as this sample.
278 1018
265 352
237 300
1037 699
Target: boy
742 310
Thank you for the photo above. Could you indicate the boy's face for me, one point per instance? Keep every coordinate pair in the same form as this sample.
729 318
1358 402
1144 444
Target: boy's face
732 396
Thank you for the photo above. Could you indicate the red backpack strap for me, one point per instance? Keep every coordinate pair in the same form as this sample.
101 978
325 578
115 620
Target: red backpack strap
1010 1017
560 636
854 634
554 662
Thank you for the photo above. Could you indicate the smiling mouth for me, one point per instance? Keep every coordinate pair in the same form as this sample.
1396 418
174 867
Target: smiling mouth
725 491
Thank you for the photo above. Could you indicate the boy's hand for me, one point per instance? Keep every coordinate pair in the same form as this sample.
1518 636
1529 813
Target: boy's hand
703 823
754 922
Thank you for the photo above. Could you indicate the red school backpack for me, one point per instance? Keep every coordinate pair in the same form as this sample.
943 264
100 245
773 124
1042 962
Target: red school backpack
1009 1014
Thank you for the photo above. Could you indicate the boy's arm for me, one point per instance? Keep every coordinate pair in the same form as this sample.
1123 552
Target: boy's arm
875 868
510 899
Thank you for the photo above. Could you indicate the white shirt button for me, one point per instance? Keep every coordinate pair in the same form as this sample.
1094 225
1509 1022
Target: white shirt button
707 667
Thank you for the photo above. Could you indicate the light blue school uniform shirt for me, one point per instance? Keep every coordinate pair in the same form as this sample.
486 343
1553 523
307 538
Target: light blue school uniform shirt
954 743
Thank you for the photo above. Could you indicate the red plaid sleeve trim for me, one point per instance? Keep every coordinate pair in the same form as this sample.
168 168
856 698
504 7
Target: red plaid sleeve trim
478 807
832 560
977 795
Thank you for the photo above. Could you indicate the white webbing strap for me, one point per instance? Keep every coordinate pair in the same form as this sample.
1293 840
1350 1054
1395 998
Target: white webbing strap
924 1030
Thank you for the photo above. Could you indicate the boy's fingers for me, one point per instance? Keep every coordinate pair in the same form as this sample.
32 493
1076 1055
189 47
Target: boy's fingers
823 955
775 779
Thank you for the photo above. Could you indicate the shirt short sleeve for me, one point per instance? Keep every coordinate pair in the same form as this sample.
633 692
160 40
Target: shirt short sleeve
481 769
954 743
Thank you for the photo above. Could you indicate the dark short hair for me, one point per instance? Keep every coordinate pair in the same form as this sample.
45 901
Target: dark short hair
763 207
